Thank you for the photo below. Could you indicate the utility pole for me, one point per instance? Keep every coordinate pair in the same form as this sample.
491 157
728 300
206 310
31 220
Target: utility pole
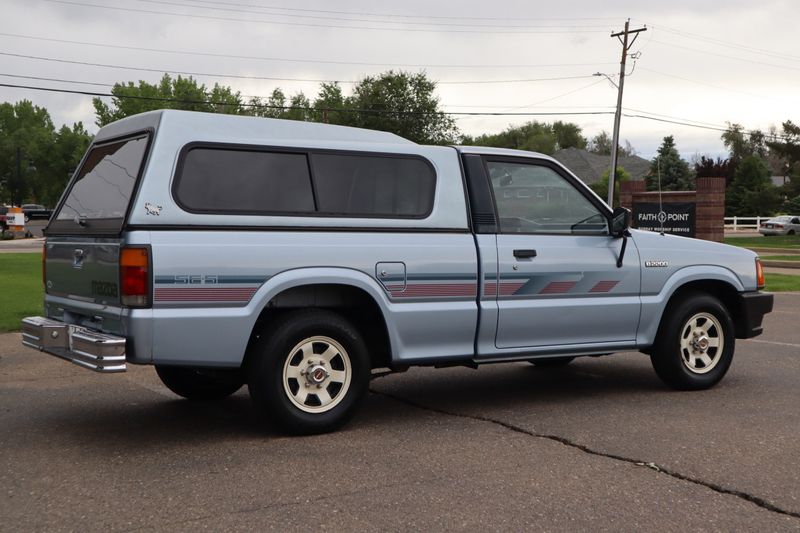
626 46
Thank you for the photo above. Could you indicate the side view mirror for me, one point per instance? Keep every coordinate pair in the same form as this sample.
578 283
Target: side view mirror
620 221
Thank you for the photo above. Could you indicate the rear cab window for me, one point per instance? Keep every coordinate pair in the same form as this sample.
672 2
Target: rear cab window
98 198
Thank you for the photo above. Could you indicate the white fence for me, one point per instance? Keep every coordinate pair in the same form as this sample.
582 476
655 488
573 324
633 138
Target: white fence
743 223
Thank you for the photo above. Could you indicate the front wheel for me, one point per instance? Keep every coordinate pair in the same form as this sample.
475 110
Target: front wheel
694 346
309 371
200 384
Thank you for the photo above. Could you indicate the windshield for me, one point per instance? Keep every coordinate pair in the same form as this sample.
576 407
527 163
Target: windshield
101 191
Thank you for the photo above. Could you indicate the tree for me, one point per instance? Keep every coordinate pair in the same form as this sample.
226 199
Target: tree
34 158
673 171
601 187
401 103
69 145
169 93
397 102
568 135
534 136
330 106
751 193
707 167
742 144
601 144
792 205
789 147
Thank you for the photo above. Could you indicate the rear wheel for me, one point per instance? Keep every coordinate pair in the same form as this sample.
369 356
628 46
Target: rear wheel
309 371
200 384
695 344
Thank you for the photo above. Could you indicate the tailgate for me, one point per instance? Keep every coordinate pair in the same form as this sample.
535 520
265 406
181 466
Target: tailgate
83 269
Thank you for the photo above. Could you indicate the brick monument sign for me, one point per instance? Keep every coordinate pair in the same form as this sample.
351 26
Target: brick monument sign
699 213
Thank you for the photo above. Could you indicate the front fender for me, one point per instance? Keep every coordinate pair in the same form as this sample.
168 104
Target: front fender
654 305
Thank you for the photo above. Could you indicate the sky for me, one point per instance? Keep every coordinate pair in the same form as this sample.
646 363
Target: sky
705 63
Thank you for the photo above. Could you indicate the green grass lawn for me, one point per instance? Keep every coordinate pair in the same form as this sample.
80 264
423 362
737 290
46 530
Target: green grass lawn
782 282
795 257
21 290
779 241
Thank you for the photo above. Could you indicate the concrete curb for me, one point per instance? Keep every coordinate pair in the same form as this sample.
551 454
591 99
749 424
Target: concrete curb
781 251
780 264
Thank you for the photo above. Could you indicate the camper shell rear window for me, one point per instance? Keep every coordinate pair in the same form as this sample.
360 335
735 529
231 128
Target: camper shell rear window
99 195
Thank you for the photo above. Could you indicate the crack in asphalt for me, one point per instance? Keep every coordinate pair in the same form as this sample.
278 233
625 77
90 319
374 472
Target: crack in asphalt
760 502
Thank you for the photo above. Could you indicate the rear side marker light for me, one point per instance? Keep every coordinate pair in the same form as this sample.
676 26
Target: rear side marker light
134 276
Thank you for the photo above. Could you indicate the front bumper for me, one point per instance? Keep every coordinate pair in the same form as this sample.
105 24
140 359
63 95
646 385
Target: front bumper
85 347
752 308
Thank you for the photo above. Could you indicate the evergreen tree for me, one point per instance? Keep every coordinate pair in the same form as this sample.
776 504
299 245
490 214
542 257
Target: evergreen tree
674 171
752 193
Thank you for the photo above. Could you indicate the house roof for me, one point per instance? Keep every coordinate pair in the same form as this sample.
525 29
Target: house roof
590 167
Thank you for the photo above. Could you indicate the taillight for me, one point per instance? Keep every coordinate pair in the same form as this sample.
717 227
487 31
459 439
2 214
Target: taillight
134 276
760 282
778 226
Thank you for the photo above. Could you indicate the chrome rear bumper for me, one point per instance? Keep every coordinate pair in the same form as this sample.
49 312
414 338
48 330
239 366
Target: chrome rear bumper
90 349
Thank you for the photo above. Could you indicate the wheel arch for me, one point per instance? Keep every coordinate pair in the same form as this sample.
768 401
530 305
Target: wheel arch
716 281
352 294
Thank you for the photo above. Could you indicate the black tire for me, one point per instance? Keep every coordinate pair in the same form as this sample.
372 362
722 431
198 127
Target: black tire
790 232
681 367
551 362
291 354
200 384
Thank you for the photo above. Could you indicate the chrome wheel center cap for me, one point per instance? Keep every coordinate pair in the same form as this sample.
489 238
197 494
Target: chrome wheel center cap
701 344
317 374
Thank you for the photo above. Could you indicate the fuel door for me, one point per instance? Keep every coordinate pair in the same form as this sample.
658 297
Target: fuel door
392 275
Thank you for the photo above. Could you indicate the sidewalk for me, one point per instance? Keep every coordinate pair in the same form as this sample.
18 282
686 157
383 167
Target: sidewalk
22 245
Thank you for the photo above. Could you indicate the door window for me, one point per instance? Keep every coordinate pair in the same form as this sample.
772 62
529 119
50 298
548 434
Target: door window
536 199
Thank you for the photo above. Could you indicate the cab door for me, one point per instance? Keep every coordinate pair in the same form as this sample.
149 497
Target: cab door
558 283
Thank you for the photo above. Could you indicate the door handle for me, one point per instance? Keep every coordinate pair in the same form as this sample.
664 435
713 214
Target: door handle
521 254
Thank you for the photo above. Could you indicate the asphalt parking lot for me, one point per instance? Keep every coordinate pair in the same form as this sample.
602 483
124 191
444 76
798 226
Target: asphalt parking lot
599 445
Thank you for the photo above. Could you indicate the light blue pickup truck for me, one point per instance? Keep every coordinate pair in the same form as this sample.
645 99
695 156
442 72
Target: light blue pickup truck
301 259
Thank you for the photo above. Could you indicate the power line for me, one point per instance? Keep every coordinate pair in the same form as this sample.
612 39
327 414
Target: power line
737 58
39 78
271 78
394 15
728 44
99 84
183 72
670 117
713 86
640 115
292 108
310 25
293 60
581 88
370 21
